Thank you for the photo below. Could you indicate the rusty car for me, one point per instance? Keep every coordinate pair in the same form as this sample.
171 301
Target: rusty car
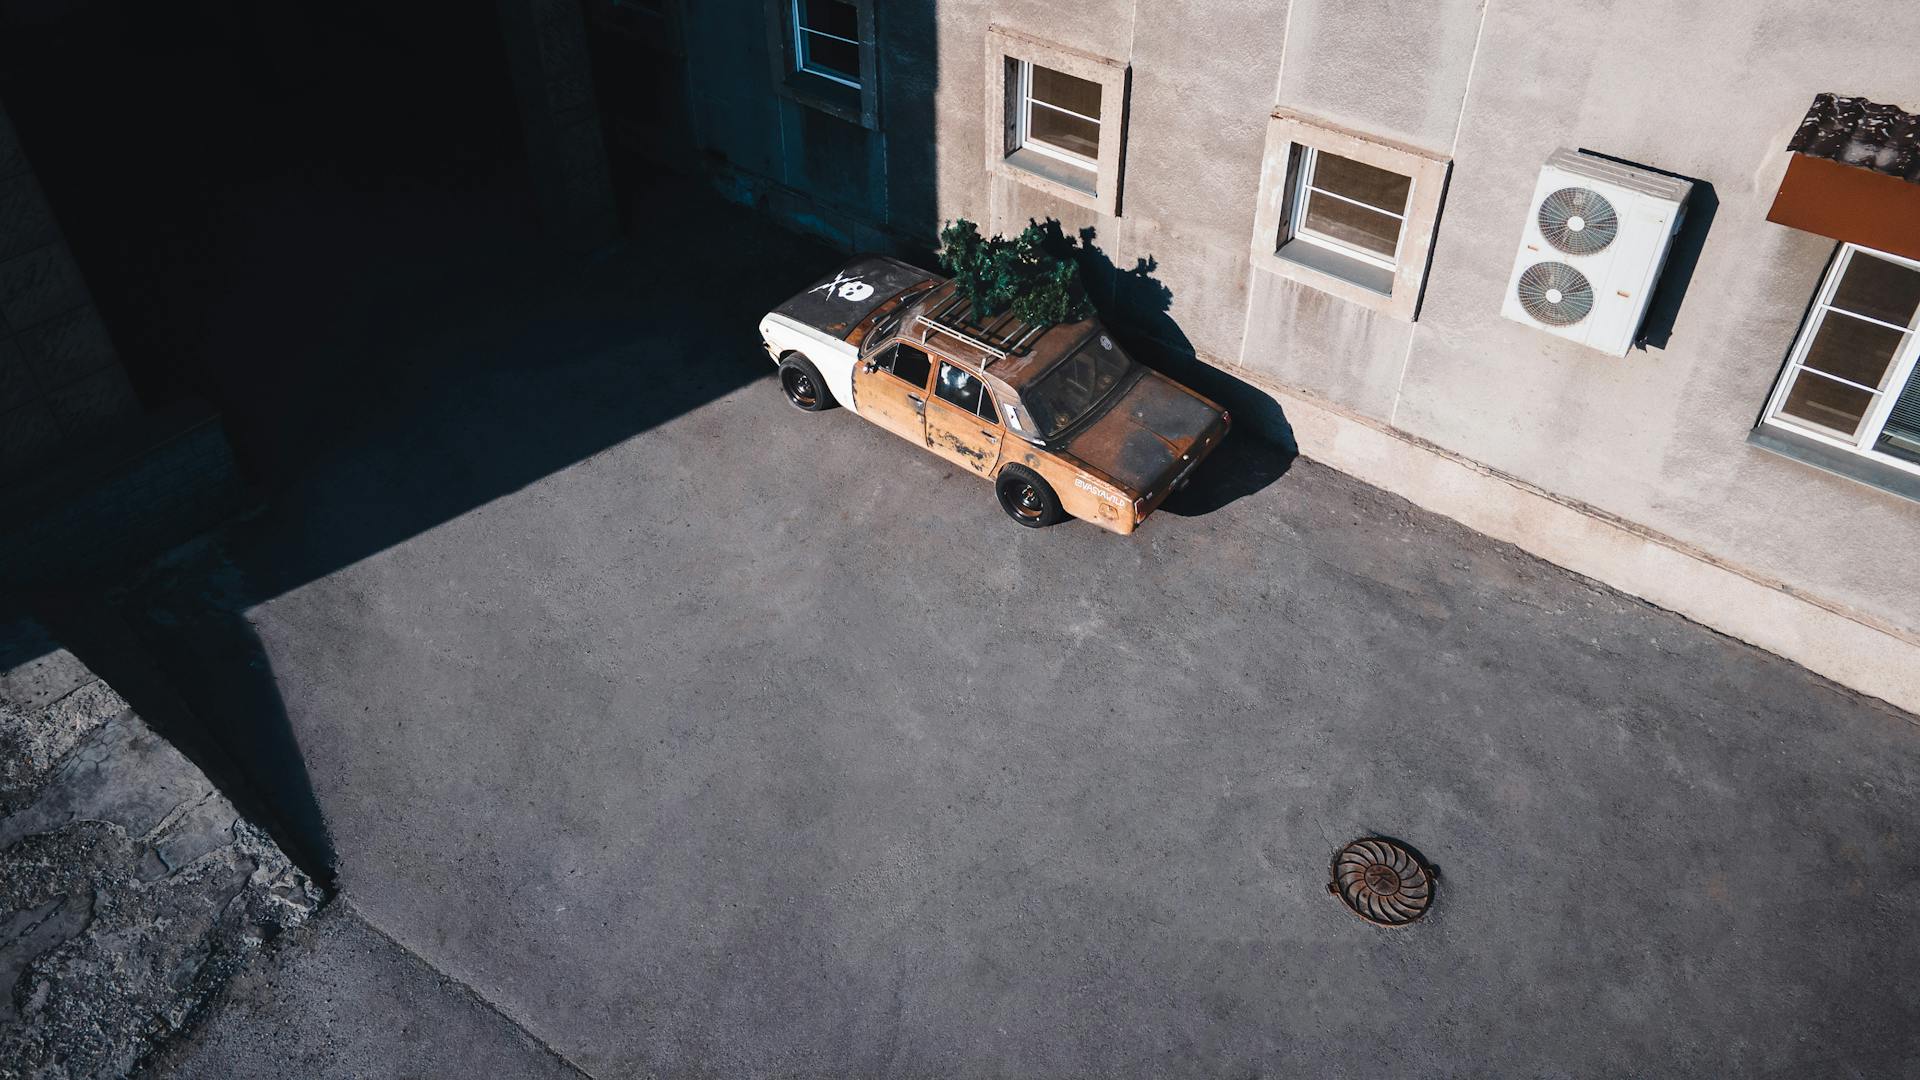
1058 417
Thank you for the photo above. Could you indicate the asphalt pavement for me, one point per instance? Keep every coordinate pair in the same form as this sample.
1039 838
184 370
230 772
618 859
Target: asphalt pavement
701 736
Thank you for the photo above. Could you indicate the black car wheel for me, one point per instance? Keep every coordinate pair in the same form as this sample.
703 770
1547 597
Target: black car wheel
801 382
1027 498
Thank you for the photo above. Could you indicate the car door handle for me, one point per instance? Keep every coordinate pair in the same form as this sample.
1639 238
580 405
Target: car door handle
991 434
919 403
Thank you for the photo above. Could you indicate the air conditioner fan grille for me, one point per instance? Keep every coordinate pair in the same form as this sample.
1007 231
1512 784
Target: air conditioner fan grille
1555 293
1578 221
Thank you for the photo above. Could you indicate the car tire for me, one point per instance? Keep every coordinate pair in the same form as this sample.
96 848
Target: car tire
1028 499
802 384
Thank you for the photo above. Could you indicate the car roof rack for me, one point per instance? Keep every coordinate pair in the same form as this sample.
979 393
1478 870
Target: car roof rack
998 339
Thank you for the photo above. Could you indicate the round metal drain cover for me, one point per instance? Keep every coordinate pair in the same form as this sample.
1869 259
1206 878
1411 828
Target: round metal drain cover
1383 882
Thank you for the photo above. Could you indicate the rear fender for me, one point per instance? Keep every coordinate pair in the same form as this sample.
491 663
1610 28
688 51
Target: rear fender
1086 496
834 358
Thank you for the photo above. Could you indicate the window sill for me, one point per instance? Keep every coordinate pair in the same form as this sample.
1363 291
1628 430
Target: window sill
1353 271
834 98
1857 467
1053 171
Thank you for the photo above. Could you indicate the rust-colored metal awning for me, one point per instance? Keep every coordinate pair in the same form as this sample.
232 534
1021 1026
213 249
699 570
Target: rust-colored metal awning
1854 175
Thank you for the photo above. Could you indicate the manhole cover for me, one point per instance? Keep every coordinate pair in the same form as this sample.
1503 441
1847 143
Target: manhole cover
1382 881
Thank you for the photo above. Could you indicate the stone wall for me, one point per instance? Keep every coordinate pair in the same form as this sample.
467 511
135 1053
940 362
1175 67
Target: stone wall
130 889
88 478
61 382
547 50
159 480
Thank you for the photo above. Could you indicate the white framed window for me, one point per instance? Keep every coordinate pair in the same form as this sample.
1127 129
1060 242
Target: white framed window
826 40
1850 381
1055 118
1349 214
825 57
1349 207
1058 115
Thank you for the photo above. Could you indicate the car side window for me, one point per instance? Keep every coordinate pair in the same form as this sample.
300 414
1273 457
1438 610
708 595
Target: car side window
907 364
986 407
959 388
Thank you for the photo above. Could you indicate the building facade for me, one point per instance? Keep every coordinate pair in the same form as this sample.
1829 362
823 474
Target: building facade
1326 199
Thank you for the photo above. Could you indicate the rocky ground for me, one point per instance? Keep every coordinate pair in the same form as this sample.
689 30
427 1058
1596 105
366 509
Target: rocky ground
130 889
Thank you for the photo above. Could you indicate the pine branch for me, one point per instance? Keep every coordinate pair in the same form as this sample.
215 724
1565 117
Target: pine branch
996 274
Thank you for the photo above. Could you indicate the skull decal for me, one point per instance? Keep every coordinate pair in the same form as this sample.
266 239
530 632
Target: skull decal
850 289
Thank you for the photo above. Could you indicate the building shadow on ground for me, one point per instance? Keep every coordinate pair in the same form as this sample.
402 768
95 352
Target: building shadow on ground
352 272
516 369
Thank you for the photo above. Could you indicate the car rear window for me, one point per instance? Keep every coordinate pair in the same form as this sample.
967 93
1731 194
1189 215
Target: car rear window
1058 399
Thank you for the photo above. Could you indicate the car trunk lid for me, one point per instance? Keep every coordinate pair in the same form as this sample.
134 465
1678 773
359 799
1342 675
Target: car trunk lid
1148 435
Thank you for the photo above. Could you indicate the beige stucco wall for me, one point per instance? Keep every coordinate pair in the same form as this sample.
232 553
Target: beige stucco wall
1710 89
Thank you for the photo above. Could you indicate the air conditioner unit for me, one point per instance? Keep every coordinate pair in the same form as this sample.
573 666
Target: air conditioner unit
1595 240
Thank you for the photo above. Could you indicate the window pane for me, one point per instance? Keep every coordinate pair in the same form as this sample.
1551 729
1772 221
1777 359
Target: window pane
1854 349
909 365
832 16
1901 436
1066 92
1069 133
1368 230
958 387
1827 404
987 411
826 54
1360 182
1879 289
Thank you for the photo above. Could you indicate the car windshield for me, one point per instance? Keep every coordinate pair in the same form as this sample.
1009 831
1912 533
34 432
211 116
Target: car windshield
1058 399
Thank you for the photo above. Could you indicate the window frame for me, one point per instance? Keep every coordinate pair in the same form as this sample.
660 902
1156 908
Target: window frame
1905 359
1011 152
855 101
801 53
1023 130
1300 202
884 361
1358 276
